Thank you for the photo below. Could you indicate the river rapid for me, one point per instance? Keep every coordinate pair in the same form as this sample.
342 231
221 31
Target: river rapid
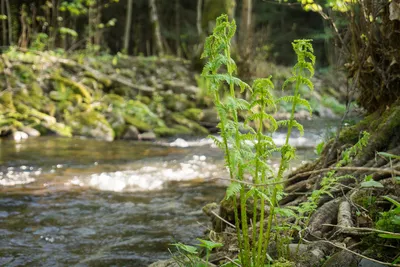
82 202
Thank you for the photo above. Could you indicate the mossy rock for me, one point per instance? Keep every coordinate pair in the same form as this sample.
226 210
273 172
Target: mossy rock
165 131
36 89
177 103
6 100
172 131
182 120
58 128
194 114
141 125
25 73
117 122
91 124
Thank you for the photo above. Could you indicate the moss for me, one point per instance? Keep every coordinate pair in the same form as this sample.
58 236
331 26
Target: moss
165 131
91 124
172 131
24 73
197 128
80 88
177 102
59 128
141 125
6 100
35 89
101 78
194 114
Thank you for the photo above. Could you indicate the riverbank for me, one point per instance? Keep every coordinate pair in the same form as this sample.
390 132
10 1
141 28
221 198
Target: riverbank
112 97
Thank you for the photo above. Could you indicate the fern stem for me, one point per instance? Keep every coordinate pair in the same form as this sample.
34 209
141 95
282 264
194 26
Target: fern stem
243 208
282 167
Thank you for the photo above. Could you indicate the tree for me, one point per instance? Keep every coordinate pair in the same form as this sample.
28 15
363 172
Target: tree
177 29
245 36
156 27
128 23
198 18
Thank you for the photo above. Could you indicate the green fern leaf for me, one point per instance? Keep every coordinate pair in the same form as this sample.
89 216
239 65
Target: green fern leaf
233 189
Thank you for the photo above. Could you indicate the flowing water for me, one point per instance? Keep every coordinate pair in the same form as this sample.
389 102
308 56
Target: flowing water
80 202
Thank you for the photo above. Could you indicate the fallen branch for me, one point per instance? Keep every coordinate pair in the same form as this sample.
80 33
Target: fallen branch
371 230
363 169
355 253
222 219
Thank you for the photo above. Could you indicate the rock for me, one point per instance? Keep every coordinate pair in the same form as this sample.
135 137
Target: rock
165 131
165 263
340 259
197 128
177 103
368 263
297 250
180 87
324 112
31 131
90 124
194 114
131 133
18 136
147 136
173 263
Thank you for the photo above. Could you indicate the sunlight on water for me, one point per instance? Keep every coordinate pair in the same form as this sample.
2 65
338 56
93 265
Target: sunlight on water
18 176
151 177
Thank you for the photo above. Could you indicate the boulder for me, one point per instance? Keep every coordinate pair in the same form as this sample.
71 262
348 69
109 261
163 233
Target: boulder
131 133
147 136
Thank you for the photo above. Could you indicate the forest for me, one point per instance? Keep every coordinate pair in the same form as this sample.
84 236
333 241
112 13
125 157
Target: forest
200 133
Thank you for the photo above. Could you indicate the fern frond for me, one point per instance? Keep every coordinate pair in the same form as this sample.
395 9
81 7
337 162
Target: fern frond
288 81
217 142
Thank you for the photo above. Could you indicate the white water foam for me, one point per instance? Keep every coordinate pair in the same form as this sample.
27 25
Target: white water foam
152 177
13 177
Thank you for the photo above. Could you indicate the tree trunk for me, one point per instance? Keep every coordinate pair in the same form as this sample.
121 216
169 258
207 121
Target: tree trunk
97 18
178 29
199 18
3 24
245 37
128 23
9 19
54 23
156 27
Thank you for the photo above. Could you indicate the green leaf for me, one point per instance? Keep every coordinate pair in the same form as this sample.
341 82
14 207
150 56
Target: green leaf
390 236
372 183
388 155
187 248
319 148
233 189
394 202
209 245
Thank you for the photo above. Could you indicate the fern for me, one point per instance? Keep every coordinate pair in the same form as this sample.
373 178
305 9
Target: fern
246 154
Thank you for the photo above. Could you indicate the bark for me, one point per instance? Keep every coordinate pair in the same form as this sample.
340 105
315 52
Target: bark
246 29
199 18
245 38
128 24
3 24
156 27
54 23
178 29
98 31
9 19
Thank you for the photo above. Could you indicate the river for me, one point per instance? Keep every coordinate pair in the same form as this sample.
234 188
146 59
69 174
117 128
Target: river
82 202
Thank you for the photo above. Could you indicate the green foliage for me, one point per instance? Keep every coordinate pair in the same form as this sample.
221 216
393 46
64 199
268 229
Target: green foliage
248 145
189 256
